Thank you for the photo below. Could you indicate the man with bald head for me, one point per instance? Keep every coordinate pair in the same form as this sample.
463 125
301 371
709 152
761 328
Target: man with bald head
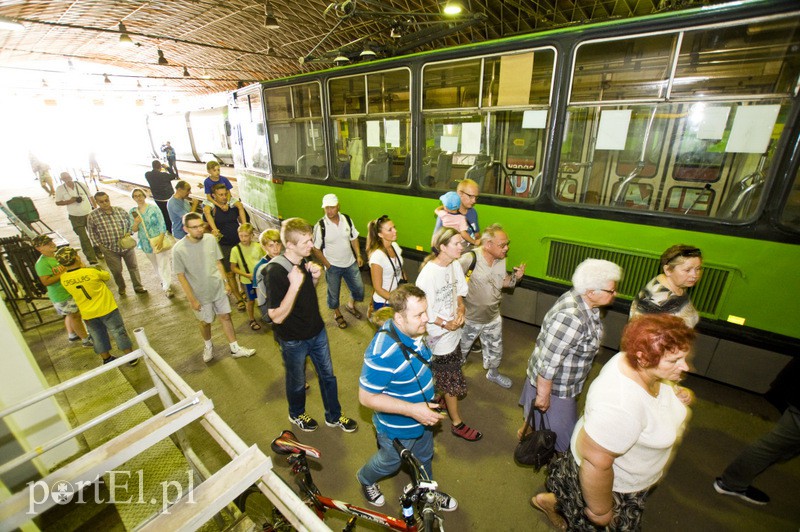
79 203
468 191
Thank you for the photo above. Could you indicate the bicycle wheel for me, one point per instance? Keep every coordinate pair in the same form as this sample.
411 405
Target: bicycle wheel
260 510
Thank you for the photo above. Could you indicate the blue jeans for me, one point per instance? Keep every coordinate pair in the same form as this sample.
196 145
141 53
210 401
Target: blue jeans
294 354
110 323
351 275
387 461
782 443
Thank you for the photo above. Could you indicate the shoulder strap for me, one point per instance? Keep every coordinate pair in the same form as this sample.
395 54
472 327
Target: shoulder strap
350 223
407 351
472 264
244 260
282 261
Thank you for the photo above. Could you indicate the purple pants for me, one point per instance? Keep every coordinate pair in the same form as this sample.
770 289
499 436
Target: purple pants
561 416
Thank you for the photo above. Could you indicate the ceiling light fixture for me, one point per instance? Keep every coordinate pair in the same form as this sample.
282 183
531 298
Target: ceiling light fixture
161 59
185 72
453 7
205 75
341 59
396 32
70 65
124 38
10 24
44 83
138 84
106 79
270 22
367 53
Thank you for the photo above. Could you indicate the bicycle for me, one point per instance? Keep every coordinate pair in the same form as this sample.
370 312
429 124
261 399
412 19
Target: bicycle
420 503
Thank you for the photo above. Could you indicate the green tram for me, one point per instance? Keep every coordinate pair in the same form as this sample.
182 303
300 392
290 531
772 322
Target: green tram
612 140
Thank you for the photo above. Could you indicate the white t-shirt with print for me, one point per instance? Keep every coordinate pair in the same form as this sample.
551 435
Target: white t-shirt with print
442 285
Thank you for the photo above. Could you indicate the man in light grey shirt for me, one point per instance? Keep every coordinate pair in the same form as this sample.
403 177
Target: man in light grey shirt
485 271
197 261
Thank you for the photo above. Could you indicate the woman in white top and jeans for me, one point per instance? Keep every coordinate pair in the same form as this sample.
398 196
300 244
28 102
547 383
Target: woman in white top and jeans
635 416
385 260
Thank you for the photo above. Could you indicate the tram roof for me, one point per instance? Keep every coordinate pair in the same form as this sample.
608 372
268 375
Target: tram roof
222 44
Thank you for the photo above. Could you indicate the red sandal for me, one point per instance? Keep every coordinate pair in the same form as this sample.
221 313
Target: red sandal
463 431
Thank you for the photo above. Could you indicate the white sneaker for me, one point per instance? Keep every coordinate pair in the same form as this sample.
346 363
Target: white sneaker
497 378
208 353
243 352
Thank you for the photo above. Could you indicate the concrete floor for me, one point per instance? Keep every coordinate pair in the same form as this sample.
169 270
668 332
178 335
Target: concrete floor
492 491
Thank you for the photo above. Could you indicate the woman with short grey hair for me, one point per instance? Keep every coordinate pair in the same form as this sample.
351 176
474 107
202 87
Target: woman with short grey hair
566 346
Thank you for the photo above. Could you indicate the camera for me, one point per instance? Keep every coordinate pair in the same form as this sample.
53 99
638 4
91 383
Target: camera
78 199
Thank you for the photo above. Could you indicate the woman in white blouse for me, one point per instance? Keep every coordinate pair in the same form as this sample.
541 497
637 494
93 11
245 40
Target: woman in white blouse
385 260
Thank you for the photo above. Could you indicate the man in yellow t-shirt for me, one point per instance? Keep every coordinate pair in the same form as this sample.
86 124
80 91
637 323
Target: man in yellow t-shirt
88 288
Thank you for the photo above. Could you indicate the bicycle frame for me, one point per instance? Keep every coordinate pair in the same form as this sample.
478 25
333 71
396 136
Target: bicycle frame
422 491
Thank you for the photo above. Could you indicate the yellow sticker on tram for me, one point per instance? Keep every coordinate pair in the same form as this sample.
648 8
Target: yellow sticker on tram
736 319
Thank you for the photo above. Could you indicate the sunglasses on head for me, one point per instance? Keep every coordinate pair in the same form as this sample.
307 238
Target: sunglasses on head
688 252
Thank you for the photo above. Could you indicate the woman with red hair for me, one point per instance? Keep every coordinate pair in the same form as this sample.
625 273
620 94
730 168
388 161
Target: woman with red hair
635 415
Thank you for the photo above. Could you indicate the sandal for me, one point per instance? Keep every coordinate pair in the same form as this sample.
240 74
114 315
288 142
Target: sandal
340 321
463 431
241 306
354 311
552 514
254 325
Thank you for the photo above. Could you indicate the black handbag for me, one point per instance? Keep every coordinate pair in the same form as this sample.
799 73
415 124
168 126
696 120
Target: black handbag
538 447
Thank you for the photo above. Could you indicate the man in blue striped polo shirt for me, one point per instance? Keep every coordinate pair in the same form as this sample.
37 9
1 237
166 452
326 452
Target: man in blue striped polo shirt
396 382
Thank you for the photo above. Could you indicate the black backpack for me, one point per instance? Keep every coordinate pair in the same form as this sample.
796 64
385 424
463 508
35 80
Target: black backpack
260 281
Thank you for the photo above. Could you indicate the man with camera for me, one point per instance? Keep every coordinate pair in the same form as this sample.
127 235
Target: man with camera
79 203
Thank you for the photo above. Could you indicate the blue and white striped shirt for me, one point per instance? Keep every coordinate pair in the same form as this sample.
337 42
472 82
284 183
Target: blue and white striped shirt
387 370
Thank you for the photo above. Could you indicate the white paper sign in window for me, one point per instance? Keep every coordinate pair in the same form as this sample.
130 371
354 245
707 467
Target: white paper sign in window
471 137
534 119
373 133
613 129
393 133
448 143
712 122
752 128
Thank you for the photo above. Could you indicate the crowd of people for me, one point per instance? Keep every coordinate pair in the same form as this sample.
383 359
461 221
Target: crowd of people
608 459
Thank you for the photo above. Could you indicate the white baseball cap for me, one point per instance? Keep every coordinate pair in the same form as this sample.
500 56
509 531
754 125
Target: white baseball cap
329 200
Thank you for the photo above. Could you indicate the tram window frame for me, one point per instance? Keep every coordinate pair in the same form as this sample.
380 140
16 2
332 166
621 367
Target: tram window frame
496 173
736 168
790 210
288 120
371 158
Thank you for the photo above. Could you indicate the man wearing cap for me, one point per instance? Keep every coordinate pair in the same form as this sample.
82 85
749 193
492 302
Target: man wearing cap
160 183
468 191
49 271
336 247
107 225
88 288
79 203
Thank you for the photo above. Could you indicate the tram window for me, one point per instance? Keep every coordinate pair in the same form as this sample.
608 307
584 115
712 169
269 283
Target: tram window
506 83
451 85
254 145
295 131
790 217
757 58
626 69
726 148
371 120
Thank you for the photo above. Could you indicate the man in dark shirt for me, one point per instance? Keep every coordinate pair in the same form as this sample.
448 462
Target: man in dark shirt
298 327
160 184
169 152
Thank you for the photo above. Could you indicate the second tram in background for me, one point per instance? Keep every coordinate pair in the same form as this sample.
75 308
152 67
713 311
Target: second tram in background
200 135
613 140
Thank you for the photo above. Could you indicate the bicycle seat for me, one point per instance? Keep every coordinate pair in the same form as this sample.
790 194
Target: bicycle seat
287 443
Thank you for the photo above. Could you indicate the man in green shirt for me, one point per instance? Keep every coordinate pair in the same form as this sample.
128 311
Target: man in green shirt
49 271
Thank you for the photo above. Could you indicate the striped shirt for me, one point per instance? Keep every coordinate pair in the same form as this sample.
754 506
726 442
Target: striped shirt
386 370
567 344
107 228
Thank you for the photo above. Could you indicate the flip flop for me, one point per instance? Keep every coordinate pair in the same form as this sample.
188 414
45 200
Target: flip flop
340 321
254 325
241 306
354 311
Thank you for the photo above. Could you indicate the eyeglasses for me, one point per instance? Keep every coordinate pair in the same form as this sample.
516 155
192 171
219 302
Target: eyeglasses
194 226
470 196
612 292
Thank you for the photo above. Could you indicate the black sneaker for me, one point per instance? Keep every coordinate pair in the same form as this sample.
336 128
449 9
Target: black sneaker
749 494
305 422
373 494
344 423
109 360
